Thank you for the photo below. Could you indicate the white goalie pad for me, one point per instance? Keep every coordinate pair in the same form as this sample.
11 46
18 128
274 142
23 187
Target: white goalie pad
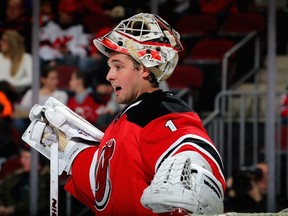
180 184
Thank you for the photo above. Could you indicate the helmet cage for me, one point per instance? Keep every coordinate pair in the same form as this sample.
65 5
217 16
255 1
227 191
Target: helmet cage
148 39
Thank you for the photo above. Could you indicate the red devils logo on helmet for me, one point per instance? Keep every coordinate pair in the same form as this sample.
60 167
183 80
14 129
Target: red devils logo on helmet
152 54
103 181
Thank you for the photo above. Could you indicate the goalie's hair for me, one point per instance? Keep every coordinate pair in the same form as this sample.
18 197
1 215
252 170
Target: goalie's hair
151 77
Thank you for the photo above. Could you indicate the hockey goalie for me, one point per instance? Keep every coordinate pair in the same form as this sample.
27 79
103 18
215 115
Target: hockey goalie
155 157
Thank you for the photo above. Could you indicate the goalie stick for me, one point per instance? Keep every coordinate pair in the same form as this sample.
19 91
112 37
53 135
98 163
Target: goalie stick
54 180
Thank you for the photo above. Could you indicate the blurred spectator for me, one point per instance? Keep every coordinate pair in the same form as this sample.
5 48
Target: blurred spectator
16 64
262 183
9 91
8 144
17 19
284 107
94 52
48 88
6 108
84 100
9 138
108 113
245 191
100 69
15 189
64 40
10 94
46 12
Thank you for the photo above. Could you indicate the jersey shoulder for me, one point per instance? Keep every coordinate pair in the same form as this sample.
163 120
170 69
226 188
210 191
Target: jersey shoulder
155 105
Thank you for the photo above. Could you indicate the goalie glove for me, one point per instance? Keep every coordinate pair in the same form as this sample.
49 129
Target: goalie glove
54 122
70 120
180 184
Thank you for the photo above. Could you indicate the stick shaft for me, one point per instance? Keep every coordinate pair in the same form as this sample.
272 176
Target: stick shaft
54 180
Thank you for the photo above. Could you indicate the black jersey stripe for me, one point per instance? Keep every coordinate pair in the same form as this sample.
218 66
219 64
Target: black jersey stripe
202 144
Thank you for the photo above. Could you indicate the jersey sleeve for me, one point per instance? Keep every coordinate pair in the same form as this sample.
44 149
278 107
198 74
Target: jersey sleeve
81 181
174 134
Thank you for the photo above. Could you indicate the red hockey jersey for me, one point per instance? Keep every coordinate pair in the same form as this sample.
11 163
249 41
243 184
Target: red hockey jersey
88 108
112 177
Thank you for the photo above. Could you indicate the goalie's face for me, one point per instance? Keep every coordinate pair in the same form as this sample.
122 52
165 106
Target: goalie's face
127 80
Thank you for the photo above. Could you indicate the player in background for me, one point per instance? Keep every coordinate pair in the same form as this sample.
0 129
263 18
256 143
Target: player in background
155 156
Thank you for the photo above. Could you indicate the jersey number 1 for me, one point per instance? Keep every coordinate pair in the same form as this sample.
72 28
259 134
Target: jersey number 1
169 124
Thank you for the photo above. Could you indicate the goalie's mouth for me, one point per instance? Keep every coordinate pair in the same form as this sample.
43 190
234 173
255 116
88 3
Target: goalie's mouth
117 88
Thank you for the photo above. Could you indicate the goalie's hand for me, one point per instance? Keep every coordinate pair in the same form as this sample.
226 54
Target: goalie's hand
50 136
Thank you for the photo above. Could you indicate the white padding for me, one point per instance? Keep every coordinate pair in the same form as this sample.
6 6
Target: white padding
33 135
36 112
180 184
73 125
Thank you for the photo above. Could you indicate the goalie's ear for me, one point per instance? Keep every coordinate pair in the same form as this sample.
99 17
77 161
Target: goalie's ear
145 72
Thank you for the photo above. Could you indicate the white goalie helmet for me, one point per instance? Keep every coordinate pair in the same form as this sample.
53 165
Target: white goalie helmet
148 39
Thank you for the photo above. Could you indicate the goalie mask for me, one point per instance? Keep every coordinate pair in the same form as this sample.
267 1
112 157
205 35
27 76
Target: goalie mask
148 39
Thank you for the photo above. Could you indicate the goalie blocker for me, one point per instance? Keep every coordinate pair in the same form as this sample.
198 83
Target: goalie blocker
55 122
